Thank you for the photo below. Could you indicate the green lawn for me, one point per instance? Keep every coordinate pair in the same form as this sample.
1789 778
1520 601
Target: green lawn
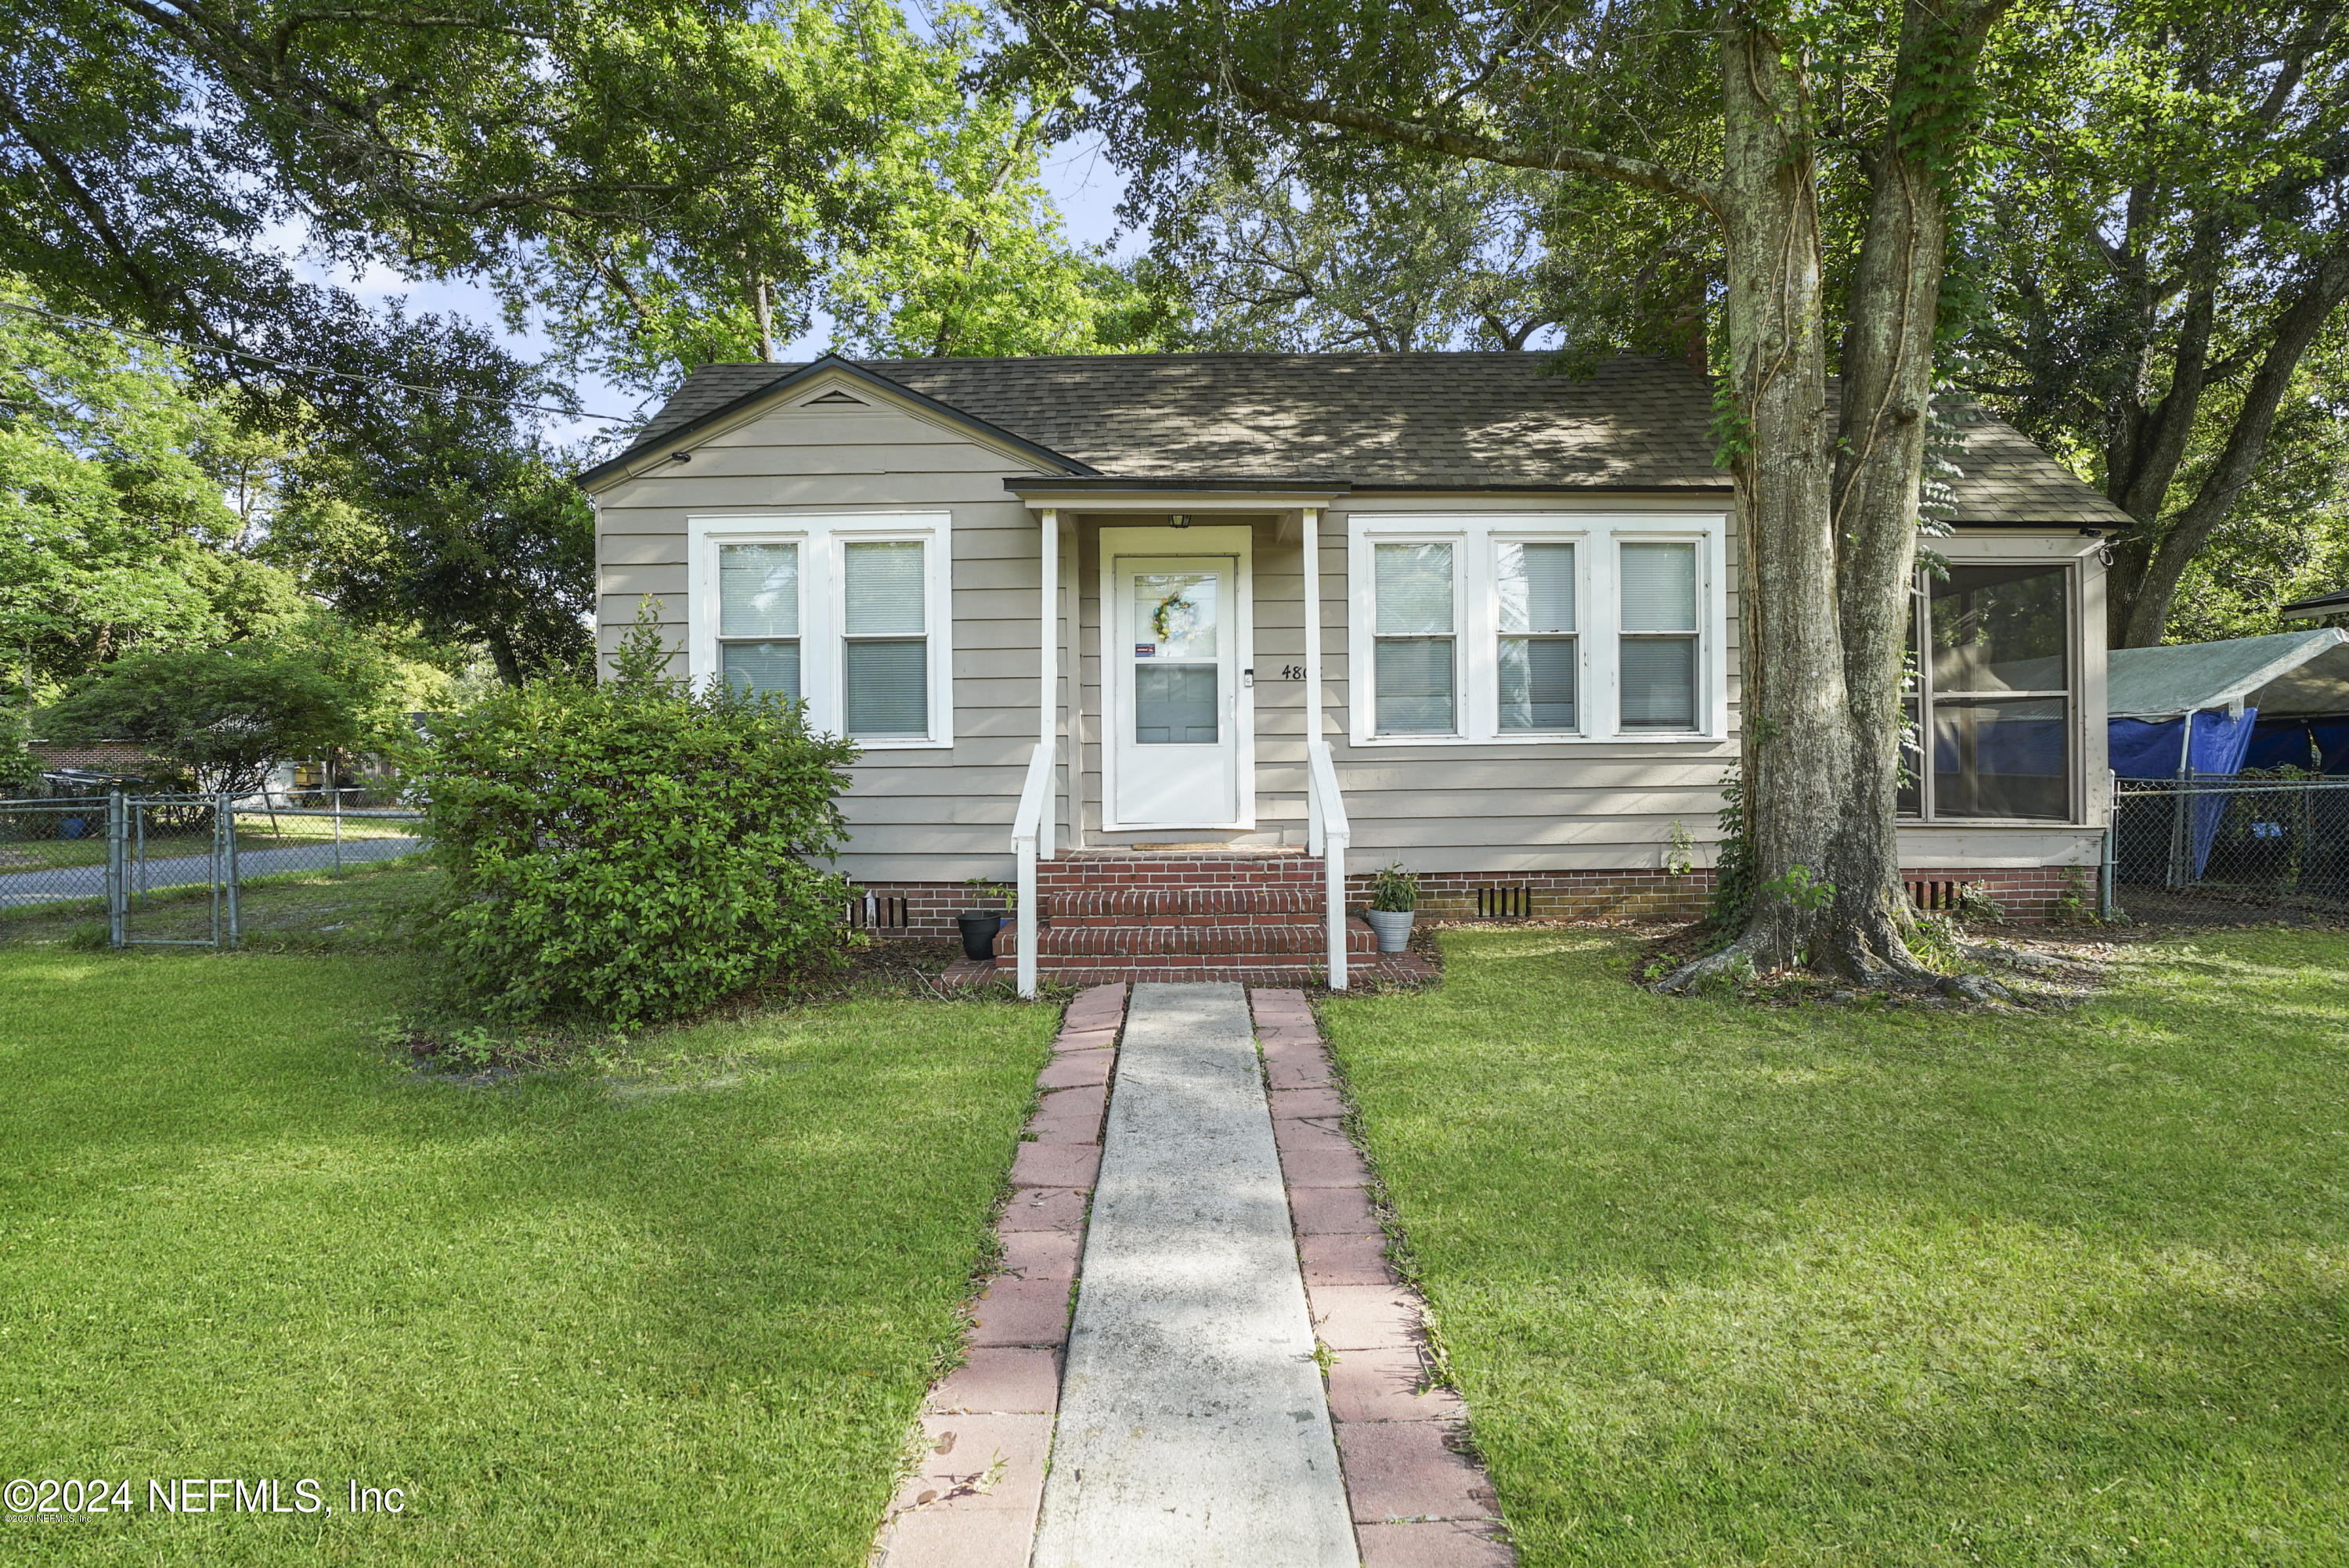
1731 1285
682 1311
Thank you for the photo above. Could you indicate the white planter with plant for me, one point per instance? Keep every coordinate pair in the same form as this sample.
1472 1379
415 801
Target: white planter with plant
1394 898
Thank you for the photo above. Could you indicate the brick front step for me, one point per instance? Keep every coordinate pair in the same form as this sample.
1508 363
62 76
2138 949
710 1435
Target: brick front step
1137 904
1271 942
1088 871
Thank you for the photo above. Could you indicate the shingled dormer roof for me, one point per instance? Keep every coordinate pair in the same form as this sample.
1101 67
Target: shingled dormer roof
1373 421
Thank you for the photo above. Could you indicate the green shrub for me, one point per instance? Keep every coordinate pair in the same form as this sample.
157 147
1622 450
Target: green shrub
632 851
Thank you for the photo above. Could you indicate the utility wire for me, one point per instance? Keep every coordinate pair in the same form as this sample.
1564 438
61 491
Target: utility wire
284 365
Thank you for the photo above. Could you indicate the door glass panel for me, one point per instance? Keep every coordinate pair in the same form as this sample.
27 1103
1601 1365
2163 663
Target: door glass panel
1175 616
1999 628
1174 705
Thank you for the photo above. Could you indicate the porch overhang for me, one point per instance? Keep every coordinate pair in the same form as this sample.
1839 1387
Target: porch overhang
1061 492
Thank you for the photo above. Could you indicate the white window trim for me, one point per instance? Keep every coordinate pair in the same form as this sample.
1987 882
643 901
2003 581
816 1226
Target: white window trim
1476 538
822 604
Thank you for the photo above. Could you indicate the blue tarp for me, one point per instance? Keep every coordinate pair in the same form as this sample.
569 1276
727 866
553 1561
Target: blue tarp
2148 749
2297 742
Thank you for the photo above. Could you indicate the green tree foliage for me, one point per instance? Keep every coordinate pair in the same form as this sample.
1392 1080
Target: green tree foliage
439 506
631 851
113 527
1390 254
2163 277
224 718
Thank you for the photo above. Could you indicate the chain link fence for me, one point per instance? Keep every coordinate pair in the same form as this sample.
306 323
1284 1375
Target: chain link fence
2278 843
130 857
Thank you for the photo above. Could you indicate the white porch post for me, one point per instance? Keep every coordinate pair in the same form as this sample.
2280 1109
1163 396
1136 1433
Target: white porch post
1312 624
1048 719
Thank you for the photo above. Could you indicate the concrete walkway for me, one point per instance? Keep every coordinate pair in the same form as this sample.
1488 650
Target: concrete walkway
1193 1430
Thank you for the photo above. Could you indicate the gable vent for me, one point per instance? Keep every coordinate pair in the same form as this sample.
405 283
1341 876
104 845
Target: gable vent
834 396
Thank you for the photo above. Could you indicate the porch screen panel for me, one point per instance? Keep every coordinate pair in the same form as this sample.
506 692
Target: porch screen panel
884 653
1413 662
2000 679
1658 663
1537 652
759 616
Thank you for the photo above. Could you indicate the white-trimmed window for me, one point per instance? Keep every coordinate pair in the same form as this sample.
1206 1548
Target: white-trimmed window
847 613
1516 627
1415 644
1658 657
1539 658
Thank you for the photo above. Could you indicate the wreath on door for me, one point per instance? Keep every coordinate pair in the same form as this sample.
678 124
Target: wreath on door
1175 618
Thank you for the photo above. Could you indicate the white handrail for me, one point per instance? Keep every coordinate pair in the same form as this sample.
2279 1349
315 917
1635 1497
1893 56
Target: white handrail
1328 834
1025 828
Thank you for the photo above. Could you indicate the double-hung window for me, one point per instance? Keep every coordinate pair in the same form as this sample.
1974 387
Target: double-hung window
1537 656
846 614
1658 619
759 616
1417 686
1990 695
884 653
1537 627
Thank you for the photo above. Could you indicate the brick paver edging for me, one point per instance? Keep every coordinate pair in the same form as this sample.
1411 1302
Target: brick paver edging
987 1428
1419 1500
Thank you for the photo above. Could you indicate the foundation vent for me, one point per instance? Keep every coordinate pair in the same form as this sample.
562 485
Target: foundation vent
875 912
1933 896
1503 902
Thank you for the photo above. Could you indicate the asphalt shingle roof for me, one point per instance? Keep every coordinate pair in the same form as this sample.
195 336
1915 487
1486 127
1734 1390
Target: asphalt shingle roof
1382 420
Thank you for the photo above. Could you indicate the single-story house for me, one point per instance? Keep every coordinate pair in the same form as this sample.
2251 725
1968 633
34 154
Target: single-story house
1501 604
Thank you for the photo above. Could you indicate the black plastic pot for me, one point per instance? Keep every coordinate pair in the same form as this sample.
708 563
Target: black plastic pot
979 929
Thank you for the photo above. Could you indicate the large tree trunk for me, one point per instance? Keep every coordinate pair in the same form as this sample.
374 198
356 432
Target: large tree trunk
1799 744
1829 502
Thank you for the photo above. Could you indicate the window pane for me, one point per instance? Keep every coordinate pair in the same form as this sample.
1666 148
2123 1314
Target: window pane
1174 705
1537 587
1999 628
762 666
1413 676
888 687
1909 800
758 589
1537 683
1660 682
1175 615
2002 759
1413 583
885 589
1660 588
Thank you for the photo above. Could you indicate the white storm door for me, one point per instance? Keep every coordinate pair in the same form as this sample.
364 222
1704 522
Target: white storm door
1176 657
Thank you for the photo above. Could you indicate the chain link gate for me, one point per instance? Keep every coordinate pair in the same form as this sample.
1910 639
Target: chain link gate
142 860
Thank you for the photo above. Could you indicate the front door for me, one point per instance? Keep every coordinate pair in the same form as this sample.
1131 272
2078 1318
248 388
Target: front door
1174 662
